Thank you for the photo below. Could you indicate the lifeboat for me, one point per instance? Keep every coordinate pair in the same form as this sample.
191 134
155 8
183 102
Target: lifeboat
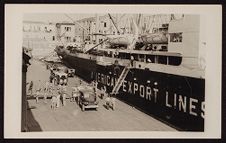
120 39
155 38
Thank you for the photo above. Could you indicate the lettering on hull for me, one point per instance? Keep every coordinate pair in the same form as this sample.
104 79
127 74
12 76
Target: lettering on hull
157 95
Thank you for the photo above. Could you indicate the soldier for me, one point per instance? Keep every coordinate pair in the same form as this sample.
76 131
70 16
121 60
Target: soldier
75 94
58 93
110 102
94 87
113 102
53 92
107 102
51 77
51 88
38 90
116 69
64 94
103 92
47 91
53 102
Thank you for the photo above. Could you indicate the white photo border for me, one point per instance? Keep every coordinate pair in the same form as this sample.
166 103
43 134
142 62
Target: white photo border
13 69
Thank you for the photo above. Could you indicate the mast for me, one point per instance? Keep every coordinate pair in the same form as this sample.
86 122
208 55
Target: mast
113 23
139 20
97 27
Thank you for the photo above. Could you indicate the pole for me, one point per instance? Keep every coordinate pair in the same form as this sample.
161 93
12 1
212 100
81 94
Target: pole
113 23
97 28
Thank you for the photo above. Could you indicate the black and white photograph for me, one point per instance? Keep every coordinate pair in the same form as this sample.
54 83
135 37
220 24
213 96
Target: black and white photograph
107 70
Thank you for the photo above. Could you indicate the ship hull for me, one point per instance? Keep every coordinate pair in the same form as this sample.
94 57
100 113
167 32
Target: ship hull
83 67
176 100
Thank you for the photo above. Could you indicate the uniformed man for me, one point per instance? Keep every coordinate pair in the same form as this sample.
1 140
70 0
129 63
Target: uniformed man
64 94
38 90
47 91
58 93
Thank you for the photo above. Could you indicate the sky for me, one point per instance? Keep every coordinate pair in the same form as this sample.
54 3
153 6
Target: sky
54 17
60 17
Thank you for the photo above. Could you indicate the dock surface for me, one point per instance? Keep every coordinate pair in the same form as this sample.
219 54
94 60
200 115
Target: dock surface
40 117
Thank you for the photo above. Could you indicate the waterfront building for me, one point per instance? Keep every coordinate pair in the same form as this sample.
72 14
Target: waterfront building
39 36
65 32
34 30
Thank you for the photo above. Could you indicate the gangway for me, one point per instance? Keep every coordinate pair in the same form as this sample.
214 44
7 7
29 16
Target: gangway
120 80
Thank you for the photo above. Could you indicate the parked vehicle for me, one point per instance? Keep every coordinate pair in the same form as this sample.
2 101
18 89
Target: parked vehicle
62 69
87 98
52 73
60 78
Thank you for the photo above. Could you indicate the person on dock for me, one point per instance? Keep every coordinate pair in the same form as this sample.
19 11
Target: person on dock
53 93
110 102
53 102
64 94
30 88
58 93
116 69
103 92
94 84
38 90
113 102
107 102
51 77
46 91
75 95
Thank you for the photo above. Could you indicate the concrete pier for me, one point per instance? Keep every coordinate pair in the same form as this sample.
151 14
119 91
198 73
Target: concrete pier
40 116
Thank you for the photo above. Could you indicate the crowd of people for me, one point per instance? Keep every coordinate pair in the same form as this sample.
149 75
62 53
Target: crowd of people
56 92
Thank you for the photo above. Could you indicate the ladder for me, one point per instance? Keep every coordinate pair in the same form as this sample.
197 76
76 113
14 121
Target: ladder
120 80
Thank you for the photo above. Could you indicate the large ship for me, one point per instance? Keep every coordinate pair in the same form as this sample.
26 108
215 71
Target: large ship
161 73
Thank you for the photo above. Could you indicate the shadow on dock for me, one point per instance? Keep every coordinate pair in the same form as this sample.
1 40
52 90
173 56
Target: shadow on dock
32 124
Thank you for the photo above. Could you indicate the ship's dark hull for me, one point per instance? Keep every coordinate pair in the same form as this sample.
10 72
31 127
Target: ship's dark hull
83 67
177 100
